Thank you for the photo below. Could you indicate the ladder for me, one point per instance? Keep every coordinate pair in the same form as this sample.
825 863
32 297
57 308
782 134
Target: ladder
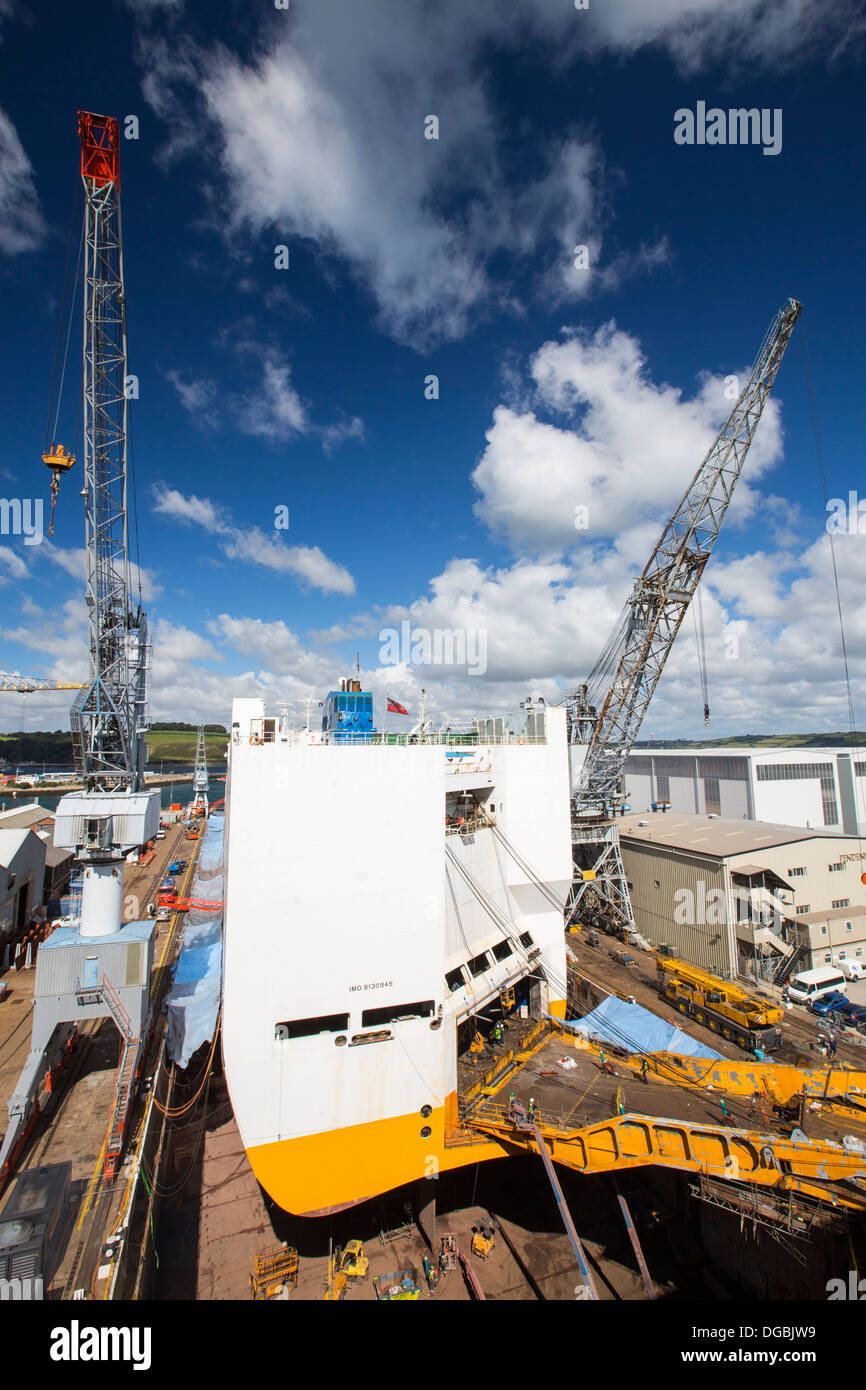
118 1012
785 965
120 1104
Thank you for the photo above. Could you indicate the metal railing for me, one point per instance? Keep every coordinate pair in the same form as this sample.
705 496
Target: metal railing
443 739
471 827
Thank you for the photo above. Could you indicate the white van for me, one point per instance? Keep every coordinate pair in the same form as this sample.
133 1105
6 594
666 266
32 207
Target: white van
852 969
810 985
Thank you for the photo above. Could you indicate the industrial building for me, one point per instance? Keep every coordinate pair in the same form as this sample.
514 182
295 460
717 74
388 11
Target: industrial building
812 787
29 817
742 896
22 878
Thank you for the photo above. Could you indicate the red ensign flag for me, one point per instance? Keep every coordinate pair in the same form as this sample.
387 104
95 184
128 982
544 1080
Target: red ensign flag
394 708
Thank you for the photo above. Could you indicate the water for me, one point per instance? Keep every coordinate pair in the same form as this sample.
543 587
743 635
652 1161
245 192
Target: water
181 792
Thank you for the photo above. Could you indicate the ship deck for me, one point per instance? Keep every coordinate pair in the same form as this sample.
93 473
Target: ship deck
583 1092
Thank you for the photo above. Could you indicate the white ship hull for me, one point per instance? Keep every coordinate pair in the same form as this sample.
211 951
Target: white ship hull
345 912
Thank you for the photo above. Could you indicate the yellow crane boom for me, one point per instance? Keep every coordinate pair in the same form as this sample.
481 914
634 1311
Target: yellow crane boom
27 685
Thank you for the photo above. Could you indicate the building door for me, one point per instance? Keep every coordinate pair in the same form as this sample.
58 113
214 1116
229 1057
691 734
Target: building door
21 908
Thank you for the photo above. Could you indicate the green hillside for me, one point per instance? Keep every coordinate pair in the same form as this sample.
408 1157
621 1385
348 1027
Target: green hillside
837 740
178 746
166 745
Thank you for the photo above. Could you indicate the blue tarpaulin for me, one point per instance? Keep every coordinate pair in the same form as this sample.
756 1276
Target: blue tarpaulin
193 1001
635 1028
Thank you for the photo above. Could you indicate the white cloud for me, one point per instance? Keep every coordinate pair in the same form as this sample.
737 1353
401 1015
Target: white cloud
274 411
173 643
197 511
11 565
307 563
253 546
74 562
321 139
334 435
148 7
21 224
698 33
629 452
197 396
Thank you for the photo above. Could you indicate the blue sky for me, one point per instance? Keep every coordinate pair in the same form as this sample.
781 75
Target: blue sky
305 387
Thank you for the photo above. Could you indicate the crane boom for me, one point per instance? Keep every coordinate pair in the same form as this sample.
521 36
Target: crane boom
109 959
661 596
108 716
26 685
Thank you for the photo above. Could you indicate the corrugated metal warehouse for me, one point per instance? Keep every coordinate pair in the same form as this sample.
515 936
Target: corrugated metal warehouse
730 894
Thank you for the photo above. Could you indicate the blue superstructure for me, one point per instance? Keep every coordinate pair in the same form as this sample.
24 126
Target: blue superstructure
348 711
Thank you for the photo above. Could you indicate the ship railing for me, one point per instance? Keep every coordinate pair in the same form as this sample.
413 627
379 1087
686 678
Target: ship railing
468 827
443 739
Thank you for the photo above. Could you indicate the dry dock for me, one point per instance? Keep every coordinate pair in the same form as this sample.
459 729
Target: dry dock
74 1119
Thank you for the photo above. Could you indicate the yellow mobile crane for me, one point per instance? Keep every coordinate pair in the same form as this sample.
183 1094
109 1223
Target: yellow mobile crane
720 1004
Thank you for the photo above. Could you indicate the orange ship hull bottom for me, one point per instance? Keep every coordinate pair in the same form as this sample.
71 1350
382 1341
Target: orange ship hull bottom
322 1173
317 1174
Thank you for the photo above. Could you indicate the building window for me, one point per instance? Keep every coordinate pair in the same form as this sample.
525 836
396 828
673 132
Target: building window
848 926
835 868
797 873
804 909
841 955
823 931
827 958
841 902
859 951
479 964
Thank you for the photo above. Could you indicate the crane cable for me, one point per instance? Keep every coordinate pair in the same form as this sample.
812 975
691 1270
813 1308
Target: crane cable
819 451
698 620
51 397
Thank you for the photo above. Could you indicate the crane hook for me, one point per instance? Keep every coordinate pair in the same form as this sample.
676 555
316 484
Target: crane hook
59 461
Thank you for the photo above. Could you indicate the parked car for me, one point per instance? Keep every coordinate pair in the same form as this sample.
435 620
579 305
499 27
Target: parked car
852 969
853 1014
831 1003
160 835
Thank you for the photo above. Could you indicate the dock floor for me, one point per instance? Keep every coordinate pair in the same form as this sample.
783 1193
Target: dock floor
73 1126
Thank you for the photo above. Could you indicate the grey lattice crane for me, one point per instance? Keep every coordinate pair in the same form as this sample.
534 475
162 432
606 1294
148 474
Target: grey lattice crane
200 775
606 713
100 965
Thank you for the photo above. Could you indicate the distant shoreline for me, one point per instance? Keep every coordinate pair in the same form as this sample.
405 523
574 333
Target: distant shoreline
75 784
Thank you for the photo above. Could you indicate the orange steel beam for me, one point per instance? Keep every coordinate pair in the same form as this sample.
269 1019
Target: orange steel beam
735 1155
